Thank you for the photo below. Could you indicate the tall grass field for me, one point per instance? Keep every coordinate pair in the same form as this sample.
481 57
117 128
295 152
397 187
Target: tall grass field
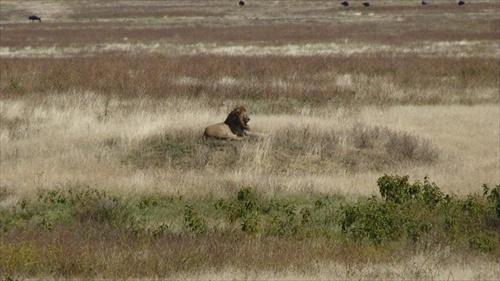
379 157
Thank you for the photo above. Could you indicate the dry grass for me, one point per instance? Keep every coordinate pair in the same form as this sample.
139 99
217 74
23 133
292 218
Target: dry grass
280 82
404 25
204 258
115 95
87 138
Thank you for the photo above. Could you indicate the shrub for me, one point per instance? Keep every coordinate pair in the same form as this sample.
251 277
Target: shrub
372 220
245 209
421 213
398 190
192 221
493 196
405 146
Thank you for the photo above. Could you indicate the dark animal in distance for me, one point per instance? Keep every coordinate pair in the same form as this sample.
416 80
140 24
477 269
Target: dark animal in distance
460 3
33 18
366 4
241 3
345 4
424 3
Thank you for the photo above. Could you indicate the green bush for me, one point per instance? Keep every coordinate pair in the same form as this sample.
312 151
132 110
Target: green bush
398 190
494 196
414 214
192 221
422 214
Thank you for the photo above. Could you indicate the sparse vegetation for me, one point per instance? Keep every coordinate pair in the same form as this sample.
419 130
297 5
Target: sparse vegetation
104 172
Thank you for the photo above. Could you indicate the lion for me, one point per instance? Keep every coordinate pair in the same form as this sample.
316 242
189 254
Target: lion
235 127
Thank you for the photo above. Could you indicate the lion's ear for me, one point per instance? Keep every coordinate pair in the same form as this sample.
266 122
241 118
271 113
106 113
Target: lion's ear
237 110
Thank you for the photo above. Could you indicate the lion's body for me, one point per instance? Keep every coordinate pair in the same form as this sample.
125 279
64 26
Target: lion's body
220 131
235 126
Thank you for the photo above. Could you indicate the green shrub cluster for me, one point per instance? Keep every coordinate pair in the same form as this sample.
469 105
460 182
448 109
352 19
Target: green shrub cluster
416 214
421 213
292 217
95 208
76 203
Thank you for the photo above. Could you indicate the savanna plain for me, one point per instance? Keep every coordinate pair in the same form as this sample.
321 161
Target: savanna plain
380 155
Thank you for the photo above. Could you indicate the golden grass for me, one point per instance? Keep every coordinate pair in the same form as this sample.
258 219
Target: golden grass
462 48
463 134
83 137
419 267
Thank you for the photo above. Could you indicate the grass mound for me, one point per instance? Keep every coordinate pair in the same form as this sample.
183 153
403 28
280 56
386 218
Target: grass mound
292 149
161 150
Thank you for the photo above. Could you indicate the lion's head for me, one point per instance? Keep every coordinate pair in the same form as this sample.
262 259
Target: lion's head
235 126
238 120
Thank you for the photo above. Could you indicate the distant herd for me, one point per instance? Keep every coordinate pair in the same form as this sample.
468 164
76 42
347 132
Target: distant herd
366 4
424 2
242 3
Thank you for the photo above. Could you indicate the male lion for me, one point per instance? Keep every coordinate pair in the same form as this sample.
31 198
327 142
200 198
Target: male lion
235 127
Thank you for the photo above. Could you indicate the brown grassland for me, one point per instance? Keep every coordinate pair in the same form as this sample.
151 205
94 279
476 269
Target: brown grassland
104 174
